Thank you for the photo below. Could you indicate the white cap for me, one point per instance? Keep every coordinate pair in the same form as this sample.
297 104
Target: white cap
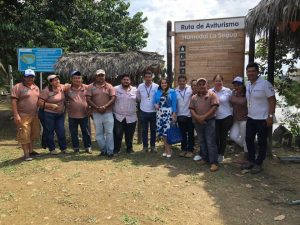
100 71
238 80
29 72
52 76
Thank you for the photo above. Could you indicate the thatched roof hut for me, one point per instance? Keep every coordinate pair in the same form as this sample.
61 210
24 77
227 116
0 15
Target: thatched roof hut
271 14
114 63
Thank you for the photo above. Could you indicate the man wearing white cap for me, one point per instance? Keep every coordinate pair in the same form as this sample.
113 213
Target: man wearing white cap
101 97
24 106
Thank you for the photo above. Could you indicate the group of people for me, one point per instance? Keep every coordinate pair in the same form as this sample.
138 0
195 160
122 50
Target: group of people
244 112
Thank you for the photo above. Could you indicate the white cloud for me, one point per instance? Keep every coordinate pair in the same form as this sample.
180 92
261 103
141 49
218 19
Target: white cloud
159 12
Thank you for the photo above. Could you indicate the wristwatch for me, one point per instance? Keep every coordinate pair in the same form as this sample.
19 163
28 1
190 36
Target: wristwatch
270 116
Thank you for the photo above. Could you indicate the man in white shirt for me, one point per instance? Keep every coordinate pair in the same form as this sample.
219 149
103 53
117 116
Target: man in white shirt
261 108
184 118
125 116
145 95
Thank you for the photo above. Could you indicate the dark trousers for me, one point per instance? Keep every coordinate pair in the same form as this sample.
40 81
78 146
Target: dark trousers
84 127
146 119
222 128
259 128
44 135
119 129
55 122
187 130
206 133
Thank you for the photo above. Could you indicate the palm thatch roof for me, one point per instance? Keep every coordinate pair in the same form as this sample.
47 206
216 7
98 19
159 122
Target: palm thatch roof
114 63
270 14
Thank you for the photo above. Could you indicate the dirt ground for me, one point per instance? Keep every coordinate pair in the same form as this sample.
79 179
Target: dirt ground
140 188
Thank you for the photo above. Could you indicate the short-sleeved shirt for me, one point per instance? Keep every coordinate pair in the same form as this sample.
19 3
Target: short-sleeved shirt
183 101
56 96
101 95
202 104
257 98
77 106
239 105
27 98
146 96
125 104
224 108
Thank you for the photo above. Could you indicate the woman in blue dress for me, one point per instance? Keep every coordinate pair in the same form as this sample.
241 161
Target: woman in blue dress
165 103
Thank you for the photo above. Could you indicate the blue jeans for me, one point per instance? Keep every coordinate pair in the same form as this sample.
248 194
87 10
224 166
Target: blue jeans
84 127
104 124
259 128
146 119
55 122
206 133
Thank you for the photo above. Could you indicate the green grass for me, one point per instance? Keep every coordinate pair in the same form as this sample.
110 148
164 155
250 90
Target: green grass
130 220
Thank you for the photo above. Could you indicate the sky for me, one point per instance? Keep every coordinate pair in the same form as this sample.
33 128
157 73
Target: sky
159 12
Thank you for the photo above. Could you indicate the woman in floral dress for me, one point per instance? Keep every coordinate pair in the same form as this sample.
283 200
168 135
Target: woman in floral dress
166 105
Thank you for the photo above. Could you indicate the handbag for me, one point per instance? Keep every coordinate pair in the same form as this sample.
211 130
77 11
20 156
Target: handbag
174 134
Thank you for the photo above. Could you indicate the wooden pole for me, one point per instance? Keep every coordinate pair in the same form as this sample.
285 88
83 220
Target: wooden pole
251 48
169 53
271 69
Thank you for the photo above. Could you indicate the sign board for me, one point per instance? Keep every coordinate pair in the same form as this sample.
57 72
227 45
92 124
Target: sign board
204 48
38 59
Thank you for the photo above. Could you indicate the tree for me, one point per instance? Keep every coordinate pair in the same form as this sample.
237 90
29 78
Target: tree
74 25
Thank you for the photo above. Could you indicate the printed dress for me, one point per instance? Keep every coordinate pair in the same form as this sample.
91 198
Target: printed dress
163 117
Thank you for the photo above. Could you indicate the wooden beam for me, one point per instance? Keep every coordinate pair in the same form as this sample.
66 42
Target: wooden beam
169 53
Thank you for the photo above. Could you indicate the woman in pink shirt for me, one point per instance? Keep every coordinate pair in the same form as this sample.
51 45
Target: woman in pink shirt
52 100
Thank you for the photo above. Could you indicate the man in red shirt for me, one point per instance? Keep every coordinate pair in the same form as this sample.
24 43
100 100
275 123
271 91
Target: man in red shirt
203 108
24 106
77 109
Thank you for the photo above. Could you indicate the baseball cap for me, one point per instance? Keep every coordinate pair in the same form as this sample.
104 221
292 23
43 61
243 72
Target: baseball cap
29 72
201 79
75 73
52 76
237 80
100 71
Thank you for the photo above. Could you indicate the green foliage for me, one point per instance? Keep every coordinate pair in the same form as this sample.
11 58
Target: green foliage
74 25
285 54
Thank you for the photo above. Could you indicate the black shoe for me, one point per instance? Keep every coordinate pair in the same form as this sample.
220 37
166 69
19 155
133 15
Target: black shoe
34 153
256 169
103 154
153 149
129 151
110 156
247 166
76 150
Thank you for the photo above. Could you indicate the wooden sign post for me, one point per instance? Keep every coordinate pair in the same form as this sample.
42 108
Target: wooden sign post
204 48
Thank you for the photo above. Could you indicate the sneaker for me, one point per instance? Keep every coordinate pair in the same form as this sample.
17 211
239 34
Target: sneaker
110 156
189 155
256 169
145 149
103 154
34 153
88 150
213 167
164 154
197 158
153 149
27 159
201 162
168 156
220 158
54 152
247 166
182 154
63 151
129 151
